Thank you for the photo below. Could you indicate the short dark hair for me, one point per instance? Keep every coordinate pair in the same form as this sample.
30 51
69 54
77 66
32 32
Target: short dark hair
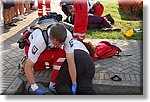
59 32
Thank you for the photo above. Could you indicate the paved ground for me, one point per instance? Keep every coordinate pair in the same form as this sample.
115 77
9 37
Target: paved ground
130 68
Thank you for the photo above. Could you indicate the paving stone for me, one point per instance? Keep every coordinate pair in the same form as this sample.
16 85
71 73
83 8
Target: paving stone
127 76
101 76
13 72
138 78
136 72
8 72
8 66
106 76
133 77
122 76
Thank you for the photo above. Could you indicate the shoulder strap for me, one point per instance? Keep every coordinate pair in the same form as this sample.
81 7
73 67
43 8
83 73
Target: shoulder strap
45 36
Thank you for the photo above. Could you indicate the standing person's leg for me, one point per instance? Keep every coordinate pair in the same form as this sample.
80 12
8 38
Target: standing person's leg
17 4
6 14
81 15
12 9
16 8
85 73
27 6
48 7
6 18
21 9
40 8
12 13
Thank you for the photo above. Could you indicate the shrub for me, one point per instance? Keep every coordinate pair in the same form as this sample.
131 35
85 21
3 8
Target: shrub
131 7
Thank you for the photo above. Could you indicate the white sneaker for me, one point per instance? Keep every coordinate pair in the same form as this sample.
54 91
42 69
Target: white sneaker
19 18
22 16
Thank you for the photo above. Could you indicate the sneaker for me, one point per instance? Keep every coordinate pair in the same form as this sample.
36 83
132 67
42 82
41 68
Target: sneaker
22 65
22 16
116 29
110 29
12 24
19 18
109 18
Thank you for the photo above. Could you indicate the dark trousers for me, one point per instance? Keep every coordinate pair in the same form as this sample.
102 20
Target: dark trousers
97 22
85 72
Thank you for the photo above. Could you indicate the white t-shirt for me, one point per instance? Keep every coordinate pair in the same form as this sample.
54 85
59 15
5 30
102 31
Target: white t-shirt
38 45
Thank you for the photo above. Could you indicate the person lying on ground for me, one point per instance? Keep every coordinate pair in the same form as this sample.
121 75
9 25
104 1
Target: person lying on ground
94 21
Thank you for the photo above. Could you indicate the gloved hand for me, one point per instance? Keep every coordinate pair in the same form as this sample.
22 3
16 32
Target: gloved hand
52 87
40 91
74 88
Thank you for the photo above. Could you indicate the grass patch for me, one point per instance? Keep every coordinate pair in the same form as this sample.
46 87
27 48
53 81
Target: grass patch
111 6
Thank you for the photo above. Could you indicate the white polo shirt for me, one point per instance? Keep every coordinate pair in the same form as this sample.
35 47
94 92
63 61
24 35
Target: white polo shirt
38 45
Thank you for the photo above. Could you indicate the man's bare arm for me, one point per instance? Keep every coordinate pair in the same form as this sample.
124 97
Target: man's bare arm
71 67
28 71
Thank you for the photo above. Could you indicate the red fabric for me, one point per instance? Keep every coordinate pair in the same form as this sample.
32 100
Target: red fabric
99 9
47 3
51 57
40 8
80 16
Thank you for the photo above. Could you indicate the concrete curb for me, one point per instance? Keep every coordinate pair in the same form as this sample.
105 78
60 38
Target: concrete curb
15 88
18 87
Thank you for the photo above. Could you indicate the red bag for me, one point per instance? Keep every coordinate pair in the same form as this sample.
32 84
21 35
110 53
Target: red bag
105 50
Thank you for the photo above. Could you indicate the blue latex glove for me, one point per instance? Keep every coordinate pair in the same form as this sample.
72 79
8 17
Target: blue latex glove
40 92
74 88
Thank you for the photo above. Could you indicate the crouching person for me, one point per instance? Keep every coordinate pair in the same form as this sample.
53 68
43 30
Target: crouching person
85 72
41 55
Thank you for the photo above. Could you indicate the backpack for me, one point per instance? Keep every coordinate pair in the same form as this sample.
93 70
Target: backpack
24 41
105 50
